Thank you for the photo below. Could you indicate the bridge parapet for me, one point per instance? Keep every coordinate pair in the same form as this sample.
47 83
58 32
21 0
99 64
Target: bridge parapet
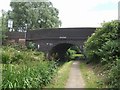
60 32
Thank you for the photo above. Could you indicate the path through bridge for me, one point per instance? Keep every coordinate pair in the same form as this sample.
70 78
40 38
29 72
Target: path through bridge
75 79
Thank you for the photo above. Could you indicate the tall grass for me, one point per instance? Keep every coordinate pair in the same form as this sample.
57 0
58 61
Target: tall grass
61 77
91 79
25 69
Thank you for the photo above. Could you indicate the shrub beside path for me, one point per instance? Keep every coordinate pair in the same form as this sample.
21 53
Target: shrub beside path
75 79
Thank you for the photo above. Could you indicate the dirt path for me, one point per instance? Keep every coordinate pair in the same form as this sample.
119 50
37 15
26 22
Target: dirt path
75 79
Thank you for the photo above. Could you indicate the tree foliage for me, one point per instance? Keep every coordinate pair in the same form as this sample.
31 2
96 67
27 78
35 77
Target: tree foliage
34 15
108 33
104 47
3 24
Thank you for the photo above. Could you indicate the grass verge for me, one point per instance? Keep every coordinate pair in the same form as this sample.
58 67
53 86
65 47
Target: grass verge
91 79
62 76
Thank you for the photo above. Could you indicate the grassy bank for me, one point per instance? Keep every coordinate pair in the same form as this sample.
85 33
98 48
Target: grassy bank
62 76
91 79
25 68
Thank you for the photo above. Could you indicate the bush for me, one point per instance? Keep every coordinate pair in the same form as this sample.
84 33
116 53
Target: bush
11 55
113 75
31 45
103 47
109 51
108 32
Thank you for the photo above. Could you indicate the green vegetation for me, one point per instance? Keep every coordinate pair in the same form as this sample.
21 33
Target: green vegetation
91 79
25 68
103 47
3 25
62 76
74 53
32 15
31 45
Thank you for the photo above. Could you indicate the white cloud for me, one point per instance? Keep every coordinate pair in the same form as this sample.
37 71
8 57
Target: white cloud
79 13
4 5
93 19
82 13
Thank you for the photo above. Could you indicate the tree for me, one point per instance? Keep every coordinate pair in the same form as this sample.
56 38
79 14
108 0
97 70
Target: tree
34 15
3 24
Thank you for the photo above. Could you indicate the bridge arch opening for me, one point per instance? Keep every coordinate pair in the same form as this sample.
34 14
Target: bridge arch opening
58 52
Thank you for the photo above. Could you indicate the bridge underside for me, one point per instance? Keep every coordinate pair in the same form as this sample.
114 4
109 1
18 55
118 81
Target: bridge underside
47 45
57 48
60 50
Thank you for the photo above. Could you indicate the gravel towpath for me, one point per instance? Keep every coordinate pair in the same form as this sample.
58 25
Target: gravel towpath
75 79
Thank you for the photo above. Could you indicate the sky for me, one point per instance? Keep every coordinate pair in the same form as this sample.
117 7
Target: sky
81 13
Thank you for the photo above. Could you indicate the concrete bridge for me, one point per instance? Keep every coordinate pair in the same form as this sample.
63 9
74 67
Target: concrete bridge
58 39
